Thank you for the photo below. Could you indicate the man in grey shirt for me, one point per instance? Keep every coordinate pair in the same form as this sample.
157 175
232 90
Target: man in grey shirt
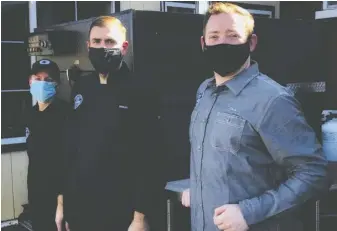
254 158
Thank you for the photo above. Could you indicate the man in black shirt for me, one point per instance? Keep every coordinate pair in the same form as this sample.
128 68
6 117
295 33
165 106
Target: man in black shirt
112 163
45 131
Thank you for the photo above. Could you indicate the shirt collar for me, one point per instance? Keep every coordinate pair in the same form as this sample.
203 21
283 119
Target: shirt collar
117 77
240 81
49 108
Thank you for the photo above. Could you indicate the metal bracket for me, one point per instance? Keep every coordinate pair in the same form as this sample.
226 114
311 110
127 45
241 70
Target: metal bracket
307 87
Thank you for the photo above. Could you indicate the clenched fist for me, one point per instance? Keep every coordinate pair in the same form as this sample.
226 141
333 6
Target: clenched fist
229 218
185 199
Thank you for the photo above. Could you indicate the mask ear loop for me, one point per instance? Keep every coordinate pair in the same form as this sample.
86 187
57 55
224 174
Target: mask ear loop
249 38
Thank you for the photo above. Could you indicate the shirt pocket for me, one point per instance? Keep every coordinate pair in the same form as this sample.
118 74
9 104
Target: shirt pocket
227 132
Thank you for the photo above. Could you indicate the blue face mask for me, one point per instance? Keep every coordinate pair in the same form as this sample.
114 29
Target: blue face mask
43 91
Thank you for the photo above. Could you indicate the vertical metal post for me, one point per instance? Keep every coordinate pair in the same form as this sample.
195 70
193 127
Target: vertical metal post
202 7
32 26
112 7
169 215
75 10
317 216
32 22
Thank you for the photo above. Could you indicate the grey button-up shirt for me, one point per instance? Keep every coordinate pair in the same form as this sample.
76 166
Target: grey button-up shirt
251 146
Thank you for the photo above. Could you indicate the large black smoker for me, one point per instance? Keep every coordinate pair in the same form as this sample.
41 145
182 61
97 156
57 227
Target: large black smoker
165 52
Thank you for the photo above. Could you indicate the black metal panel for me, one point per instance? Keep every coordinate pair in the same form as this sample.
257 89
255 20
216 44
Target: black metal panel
167 55
290 51
329 34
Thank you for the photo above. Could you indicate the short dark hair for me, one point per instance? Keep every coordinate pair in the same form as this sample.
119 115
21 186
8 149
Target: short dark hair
105 21
220 7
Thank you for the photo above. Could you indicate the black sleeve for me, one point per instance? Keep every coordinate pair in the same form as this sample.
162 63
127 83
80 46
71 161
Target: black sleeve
68 135
67 138
64 148
26 122
149 180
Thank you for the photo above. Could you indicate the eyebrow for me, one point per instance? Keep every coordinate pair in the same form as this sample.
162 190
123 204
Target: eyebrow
105 40
110 40
213 32
231 31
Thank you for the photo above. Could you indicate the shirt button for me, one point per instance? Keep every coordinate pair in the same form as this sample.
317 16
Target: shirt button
199 148
204 121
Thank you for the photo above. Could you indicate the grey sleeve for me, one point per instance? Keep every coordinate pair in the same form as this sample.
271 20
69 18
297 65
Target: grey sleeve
292 143
201 90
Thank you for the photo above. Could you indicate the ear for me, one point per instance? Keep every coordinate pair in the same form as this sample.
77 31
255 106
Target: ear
253 42
202 42
30 80
125 47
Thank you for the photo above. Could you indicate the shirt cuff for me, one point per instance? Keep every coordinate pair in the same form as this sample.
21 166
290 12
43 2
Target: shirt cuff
248 212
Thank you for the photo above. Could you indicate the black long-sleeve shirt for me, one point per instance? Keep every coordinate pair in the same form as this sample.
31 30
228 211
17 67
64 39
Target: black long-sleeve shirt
45 149
112 162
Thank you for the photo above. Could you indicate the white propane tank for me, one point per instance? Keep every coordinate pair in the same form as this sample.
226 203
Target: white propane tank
329 135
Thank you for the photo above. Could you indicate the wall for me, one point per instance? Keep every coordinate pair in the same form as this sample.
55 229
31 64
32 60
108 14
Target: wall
326 14
14 193
155 5
299 10
276 4
140 5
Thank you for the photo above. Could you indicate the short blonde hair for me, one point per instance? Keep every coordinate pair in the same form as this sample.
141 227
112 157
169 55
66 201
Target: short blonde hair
220 7
106 21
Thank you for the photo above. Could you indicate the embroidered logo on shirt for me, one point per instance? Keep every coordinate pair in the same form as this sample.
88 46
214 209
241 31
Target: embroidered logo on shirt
27 132
78 101
232 109
123 107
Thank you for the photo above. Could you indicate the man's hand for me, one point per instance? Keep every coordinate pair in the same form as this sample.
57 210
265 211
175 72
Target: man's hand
185 198
139 226
139 223
59 215
229 217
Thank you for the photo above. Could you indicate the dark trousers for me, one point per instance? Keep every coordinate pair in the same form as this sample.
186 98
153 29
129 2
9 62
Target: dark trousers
43 212
103 223
98 217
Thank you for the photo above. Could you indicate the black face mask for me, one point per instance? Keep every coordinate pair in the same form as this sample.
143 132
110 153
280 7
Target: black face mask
105 60
225 59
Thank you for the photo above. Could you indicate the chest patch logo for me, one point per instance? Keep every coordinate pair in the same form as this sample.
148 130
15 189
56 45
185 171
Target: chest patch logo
78 101
27 132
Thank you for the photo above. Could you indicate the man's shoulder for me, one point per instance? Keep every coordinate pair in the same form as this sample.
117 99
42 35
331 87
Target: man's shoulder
268 88
62 104
85 80
141 96
204 84
62 107
259 94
